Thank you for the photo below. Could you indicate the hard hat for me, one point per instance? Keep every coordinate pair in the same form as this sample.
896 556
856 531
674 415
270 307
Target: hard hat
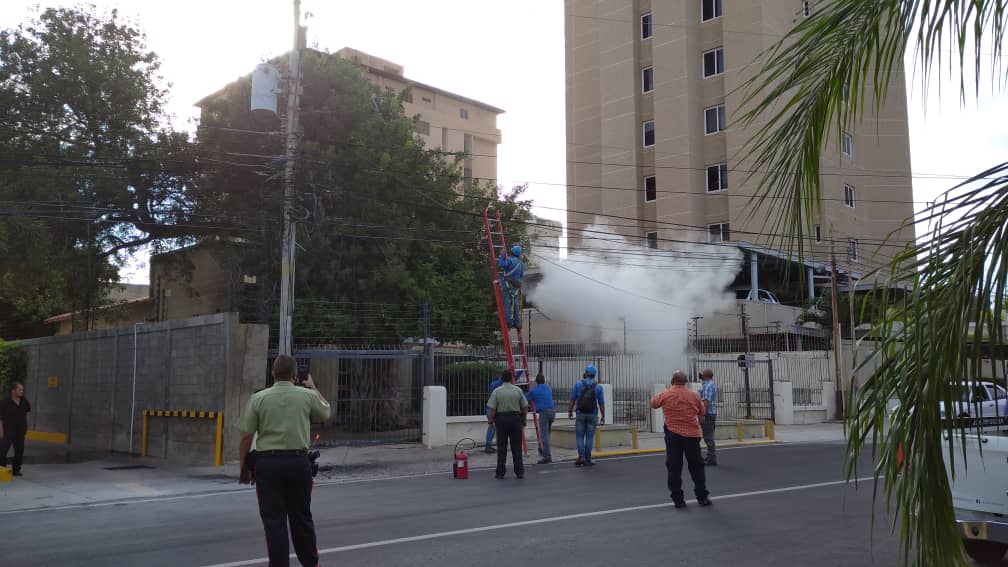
516 250
590 371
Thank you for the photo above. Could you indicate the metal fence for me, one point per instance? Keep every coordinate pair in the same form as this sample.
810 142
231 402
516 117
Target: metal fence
743 393
376 391
806 372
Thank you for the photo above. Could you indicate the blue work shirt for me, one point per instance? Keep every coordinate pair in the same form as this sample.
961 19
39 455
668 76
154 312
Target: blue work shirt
511 267
542 396
708 393
599 393
494 384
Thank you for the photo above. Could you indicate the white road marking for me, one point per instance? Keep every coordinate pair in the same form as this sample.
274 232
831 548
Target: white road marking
334 482
552 519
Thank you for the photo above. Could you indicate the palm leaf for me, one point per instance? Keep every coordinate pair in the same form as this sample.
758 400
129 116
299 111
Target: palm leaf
796 104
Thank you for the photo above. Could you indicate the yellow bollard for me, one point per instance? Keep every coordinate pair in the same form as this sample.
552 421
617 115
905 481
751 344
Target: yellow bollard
598 438
633 436
143 436
768 429
6 475
739 432
219 460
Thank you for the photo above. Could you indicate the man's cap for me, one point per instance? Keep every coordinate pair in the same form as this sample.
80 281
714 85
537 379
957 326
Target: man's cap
516 250
591 371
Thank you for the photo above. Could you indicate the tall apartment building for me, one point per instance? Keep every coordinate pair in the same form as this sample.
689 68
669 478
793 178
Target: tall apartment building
653 96
450 122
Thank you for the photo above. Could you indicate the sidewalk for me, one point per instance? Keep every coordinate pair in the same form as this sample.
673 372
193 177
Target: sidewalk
111 478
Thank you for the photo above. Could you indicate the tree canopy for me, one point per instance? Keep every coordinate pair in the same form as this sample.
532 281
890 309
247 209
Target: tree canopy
959 269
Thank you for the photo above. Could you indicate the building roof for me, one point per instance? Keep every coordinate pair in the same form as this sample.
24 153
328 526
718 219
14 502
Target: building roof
374 71
68 315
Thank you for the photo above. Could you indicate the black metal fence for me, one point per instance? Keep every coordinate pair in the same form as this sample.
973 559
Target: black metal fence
743 392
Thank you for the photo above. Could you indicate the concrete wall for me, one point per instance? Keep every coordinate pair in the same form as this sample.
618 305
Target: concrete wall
82 385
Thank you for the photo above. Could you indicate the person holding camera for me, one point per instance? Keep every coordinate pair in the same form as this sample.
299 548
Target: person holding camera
280 418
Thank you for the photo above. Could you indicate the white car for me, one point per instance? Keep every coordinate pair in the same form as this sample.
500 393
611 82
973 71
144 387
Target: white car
980 399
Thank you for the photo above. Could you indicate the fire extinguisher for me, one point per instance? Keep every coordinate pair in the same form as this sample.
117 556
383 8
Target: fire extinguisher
460 466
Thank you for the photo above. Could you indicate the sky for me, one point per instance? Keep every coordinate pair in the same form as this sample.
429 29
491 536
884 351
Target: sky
507 54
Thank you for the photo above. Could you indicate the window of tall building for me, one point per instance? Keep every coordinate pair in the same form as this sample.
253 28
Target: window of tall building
847 145
650 188
710 9
651 238
852 250
646 29
649 133
806 10
818 233
423 127
715 119
717 177
647 79
713 62
463 114
718 233
848 196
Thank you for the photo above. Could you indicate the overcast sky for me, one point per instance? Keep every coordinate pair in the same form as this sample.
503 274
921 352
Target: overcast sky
507 54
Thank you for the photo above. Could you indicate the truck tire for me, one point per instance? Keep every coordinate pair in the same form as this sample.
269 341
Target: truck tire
985 552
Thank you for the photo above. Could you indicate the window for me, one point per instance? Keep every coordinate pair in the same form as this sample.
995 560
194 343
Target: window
463 114
423 128
650 189
852 250
718 233
647 79
649 133
427 100
651 238
713 62
407 95
847 144
710 9
717 177
714 119
848 196
805 8
645 26
818 233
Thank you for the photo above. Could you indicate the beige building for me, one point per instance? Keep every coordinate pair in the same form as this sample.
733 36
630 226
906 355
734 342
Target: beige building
653 96
447 121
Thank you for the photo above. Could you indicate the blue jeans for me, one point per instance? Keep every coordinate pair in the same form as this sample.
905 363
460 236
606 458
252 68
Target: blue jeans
546 417
490 431
584 432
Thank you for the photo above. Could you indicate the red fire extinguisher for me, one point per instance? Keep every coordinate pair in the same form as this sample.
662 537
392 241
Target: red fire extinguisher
460 466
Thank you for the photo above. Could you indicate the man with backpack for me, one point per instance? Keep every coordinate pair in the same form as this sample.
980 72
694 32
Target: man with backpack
587 395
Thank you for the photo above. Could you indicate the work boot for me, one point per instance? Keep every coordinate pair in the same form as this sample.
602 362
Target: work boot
710 462
678 502
17 473
588 463
578 462
544 461
489 449
704 501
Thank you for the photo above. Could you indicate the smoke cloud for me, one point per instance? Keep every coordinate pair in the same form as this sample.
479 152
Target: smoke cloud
614 286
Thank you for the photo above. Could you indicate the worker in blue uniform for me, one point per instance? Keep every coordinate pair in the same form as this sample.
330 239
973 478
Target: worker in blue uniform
512 268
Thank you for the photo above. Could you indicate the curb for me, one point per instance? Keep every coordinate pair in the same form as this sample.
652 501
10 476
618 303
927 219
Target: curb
656 450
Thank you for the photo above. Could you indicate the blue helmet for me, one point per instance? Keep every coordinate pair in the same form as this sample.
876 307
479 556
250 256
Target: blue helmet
516 250
591 371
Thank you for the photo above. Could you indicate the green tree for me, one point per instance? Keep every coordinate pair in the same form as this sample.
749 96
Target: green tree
385 224
88 172
958 271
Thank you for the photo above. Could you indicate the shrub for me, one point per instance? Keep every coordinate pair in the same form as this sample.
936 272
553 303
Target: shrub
13 366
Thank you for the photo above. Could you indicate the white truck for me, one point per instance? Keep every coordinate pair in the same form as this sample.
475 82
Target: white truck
980 491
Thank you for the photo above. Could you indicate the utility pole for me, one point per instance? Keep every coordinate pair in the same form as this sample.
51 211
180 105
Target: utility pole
696 343
289 244
748 352
838 383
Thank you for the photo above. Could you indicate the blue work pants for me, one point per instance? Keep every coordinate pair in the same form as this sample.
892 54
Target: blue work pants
584 432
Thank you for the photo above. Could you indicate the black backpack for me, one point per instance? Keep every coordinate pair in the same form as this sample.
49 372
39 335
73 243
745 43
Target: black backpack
586 399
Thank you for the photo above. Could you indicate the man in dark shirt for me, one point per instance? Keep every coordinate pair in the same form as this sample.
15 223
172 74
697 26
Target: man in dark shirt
14 426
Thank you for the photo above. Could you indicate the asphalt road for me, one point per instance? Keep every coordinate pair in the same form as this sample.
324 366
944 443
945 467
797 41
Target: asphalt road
773 505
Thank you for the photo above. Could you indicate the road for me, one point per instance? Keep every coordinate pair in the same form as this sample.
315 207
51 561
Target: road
773 505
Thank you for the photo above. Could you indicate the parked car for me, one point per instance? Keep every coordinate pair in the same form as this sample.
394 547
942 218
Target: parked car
980 399
763 295
978 494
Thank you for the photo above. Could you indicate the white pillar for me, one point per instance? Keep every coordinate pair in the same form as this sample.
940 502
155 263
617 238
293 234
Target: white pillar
829 398
435 416
753 277
783 403
657 419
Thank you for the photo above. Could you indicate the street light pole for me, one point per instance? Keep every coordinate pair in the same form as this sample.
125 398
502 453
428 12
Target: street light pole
289 244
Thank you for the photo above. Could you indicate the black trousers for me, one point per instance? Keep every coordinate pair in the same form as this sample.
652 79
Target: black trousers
17 440
509 432
677 446
284 488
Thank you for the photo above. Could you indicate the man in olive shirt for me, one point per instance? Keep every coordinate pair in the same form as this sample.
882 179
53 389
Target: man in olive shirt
508 409
280 416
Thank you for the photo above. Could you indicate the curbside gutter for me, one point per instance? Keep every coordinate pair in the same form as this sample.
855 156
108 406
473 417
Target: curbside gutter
626 452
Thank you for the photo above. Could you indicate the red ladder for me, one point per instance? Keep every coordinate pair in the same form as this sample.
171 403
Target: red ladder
517 363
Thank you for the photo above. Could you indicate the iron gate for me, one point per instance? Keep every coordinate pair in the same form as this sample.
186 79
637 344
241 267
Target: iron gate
743 392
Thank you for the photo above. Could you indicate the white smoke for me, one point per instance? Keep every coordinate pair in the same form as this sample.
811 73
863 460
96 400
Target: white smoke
614 286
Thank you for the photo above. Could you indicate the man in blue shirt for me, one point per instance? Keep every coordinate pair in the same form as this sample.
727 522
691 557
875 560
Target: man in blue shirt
512 269
541 398
709 394
494 384
588 396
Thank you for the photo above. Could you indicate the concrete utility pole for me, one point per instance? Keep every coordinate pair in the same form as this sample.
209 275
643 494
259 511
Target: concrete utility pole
289 244
836 330
744 320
